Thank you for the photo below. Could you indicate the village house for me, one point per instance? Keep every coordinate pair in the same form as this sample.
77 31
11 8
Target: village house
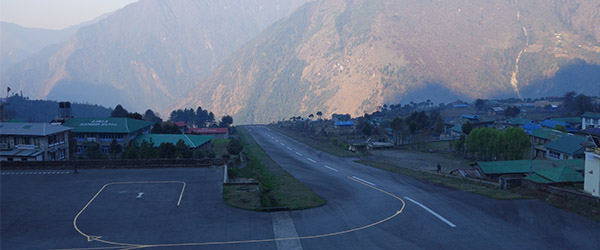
104 130
590 120
217 133
192 141
33 142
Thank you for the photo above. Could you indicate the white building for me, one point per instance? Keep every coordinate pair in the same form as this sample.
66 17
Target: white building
33 142
591 180
590 120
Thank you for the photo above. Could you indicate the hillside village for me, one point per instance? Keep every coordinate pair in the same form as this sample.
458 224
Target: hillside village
554 140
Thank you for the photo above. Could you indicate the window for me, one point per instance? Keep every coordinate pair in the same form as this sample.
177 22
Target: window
79 149
553 154
24 159
105 149
9 159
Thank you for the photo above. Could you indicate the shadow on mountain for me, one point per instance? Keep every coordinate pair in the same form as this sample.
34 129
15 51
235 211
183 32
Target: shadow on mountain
577 76
434 91
88 93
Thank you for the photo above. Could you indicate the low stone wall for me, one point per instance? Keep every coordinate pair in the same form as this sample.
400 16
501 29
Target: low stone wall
110 164
561 192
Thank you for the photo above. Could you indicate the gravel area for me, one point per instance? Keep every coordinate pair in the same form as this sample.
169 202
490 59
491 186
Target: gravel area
417 160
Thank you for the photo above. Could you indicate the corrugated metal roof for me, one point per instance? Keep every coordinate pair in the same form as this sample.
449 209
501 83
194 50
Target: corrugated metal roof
34 129
21 153
522 166
193 141
106 125
591 115
548 134
207 130
538 178
570 144
561 174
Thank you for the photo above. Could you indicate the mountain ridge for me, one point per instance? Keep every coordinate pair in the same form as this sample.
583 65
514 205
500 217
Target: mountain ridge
352 56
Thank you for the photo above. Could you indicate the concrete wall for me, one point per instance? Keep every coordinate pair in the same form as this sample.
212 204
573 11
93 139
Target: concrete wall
591 182
111 164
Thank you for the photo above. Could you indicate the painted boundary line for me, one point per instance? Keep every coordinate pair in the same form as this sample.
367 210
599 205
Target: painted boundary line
122 245
432 212
367 182
36 173
330 168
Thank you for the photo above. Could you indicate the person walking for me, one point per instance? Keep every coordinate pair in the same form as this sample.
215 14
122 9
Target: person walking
439 168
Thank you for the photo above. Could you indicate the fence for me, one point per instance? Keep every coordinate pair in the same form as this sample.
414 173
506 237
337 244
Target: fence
110 164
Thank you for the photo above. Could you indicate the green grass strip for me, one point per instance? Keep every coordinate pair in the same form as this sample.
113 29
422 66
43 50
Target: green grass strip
277 187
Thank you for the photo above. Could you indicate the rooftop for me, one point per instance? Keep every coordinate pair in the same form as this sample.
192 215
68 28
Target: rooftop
192 141
522 166
548 134
591 115
570 144
34 129
556 175
207 130
106 125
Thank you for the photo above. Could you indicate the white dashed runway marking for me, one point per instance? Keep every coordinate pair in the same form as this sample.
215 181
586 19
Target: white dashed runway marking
35 173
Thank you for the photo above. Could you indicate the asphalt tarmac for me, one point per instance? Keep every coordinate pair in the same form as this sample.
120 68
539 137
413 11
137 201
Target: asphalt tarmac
432 216
366 208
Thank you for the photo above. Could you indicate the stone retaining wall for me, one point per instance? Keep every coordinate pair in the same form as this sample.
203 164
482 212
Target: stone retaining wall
561 192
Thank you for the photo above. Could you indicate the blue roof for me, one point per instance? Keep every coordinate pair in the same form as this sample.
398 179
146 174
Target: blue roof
529 127
549 123
342 123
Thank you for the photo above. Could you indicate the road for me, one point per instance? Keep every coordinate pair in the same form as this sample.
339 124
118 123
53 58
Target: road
427 216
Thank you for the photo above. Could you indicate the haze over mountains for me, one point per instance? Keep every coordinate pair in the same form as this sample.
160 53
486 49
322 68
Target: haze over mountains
147 54
342 56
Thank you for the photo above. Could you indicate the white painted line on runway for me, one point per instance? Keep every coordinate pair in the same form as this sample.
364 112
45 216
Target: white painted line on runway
311 160
432 212
289 148
299 154
282 144
370 183
333 169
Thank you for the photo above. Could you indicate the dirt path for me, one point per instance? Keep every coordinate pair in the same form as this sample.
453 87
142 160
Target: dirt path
417 160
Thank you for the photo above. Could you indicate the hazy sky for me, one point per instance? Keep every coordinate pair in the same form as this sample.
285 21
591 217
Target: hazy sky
56 14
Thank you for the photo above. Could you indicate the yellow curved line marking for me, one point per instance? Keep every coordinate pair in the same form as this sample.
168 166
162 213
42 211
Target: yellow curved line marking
97 238
130 246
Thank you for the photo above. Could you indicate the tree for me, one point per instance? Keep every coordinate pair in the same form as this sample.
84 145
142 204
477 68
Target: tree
115 149
479 104
397 126
166 150
182 150
147 150
467 128
92 151
150 116
319 114
512 111
132 151
226 121
367 129
165 128
560 127
135 115
119 112
235 147
412 126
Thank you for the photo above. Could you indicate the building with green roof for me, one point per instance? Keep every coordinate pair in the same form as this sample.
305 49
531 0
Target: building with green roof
192 141
566 147
556 175
495 169
104 130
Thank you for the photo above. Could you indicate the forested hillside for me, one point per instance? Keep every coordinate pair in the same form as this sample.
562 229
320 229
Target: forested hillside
28 110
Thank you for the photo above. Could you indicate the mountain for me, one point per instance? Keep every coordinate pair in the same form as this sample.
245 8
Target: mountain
19 42
351 56
147 54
